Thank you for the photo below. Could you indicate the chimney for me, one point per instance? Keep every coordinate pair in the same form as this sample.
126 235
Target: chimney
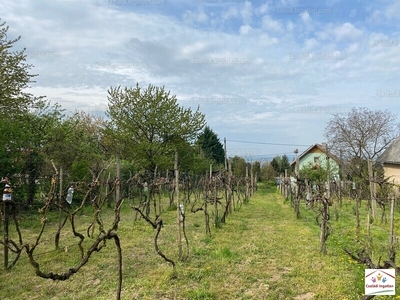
324 146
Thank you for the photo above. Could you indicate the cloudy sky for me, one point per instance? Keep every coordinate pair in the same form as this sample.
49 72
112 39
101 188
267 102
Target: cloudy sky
266 72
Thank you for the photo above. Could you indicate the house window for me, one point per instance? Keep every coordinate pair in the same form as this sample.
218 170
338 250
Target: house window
316 159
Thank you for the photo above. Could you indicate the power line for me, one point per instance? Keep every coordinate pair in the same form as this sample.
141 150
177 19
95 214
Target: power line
263 143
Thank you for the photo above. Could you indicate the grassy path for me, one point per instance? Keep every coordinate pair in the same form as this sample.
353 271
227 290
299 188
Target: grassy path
278 256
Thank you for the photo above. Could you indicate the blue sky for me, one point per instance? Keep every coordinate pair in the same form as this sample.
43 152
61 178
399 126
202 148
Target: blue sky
261 71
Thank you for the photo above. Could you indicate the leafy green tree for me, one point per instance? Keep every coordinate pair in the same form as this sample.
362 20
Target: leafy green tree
268 172
318 173
23 142
275 164
15 77
148 125
87 135
285 165
22 121
280 164
75 144
257 170
211 146
239 166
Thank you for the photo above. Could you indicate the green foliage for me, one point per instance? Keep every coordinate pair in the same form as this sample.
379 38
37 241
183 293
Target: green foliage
148 125
14 78
239 166
268 172
76 140
198 164
315 173
280 164
19 150
318 173
256 169
211 146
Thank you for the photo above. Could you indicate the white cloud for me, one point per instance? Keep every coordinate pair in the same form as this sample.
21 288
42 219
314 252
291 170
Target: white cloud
245 29
290 26
231 12
347 31
271 25
194 17
262 9
247 12
305 17
310 44
339 33
393 11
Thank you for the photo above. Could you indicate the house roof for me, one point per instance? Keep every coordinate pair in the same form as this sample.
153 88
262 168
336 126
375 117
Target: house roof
320 147
392 154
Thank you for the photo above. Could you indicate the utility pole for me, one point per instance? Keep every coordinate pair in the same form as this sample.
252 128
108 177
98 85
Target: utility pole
226 162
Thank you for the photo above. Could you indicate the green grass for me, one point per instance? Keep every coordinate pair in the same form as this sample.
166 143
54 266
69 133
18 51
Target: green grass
261 252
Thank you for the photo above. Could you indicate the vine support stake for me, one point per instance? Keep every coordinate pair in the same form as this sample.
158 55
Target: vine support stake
118 176
178 206
6 221
60 203
6 201
372 188
392 238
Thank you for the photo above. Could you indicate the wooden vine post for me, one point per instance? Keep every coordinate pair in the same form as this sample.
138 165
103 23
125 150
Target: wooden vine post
6 221
325 210
340 178
356 205
372 188
297 199
230 185
179 206
285 191
118 176
252 181
60 203
214 196
247 182
392 238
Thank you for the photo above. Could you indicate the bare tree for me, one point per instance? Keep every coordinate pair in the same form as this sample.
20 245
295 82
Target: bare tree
362 133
